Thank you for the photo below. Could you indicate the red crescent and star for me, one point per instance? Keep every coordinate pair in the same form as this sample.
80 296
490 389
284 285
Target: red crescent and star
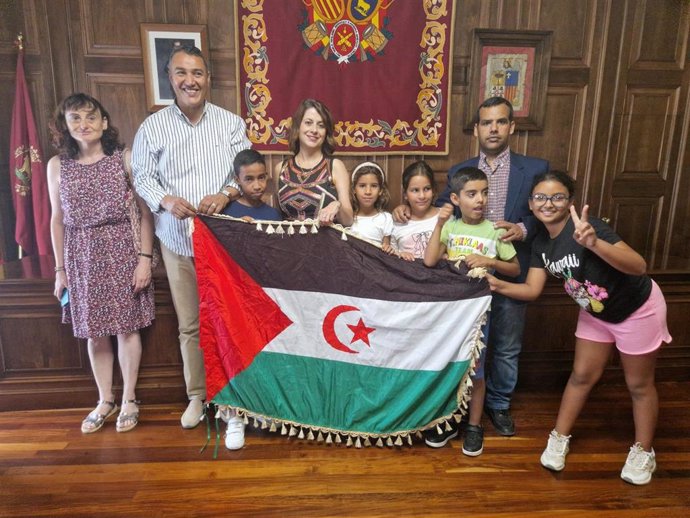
359 331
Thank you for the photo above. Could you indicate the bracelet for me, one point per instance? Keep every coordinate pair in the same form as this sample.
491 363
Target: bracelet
142 254
59 269
224 193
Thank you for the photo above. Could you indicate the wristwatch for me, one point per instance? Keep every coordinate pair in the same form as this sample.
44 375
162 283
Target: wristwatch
225 191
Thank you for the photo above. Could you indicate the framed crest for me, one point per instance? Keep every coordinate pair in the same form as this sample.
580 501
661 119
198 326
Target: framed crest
513 65
157 41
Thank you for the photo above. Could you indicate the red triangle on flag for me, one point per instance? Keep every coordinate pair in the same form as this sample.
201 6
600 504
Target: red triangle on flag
234 325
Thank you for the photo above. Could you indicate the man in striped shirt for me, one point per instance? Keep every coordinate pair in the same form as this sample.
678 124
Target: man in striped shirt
182 164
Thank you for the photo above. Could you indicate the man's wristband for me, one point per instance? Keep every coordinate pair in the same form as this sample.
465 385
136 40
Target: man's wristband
142 254
225 193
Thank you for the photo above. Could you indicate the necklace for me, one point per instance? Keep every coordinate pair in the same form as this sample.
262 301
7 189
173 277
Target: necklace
310 170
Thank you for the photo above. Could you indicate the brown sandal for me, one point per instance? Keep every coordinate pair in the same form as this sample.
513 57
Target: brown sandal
132 419
95 420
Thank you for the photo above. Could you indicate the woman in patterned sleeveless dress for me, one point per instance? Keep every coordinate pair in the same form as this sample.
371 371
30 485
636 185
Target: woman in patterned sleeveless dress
312 184
109 282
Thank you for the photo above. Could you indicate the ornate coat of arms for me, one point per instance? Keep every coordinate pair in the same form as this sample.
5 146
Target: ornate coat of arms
346 30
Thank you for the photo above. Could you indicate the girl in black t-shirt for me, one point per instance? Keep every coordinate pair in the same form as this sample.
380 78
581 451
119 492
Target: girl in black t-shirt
619 305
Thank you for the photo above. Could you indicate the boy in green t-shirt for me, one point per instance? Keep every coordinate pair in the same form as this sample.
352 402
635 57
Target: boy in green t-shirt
474 240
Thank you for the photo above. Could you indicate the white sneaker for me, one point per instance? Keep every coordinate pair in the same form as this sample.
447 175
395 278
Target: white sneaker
639 466
234 436
557 448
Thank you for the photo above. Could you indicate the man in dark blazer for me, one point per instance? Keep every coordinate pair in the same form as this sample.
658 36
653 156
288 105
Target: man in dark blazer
510 182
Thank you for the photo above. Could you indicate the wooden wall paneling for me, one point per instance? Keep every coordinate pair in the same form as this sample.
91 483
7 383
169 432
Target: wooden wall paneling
665 24
648 126
60 42
677 246
112 28
652 100
223 92
221 35
674 359
174 11
639 185
197 11
606 130
8 246
651 126
46 345
562 136
636 220
11 19
221 29
573 25
583 65
43 365
672 67
549 341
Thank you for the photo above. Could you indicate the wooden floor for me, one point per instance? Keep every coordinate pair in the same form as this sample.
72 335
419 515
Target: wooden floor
48 468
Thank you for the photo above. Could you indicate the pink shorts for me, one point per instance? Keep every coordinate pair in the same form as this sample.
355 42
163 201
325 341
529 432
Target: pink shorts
640 333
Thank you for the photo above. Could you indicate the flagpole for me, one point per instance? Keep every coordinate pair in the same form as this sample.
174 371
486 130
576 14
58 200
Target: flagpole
19 42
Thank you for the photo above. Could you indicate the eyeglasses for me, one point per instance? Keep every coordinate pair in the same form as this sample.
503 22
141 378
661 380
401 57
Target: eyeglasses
558 200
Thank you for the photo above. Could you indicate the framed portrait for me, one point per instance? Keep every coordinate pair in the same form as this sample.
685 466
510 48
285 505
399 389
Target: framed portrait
157 41
514 65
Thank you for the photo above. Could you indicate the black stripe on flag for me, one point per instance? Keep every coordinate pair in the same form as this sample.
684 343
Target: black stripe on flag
323 262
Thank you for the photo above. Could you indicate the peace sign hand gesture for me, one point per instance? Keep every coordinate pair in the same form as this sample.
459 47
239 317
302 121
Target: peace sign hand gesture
584 234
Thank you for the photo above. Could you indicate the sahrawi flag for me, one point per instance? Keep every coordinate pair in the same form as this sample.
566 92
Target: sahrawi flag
332 336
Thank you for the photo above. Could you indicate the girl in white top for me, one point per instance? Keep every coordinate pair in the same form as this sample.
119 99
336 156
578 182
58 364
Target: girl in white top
369 197
411 238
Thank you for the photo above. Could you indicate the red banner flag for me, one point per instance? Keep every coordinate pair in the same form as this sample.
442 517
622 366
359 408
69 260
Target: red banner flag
27 174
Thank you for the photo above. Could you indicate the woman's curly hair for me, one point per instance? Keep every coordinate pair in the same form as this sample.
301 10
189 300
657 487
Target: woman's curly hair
61 138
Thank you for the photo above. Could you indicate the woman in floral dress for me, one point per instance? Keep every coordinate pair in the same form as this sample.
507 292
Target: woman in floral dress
107 278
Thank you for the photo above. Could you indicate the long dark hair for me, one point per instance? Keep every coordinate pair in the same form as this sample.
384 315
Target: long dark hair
61 138
328 146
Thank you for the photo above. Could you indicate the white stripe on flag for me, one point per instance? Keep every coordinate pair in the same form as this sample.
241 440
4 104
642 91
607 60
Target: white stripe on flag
406 335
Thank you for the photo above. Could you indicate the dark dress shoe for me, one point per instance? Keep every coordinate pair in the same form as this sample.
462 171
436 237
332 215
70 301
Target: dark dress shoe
502 421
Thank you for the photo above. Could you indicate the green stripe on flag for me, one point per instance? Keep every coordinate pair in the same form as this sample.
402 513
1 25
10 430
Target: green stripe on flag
343 396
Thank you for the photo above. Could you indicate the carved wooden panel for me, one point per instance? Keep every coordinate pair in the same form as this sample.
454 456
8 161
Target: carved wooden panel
564 117
221 31
47 345
573 25
648 125
660 34
112 28
636 221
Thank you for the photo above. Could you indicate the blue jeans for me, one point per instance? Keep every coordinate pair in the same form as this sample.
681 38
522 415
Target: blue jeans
506 326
